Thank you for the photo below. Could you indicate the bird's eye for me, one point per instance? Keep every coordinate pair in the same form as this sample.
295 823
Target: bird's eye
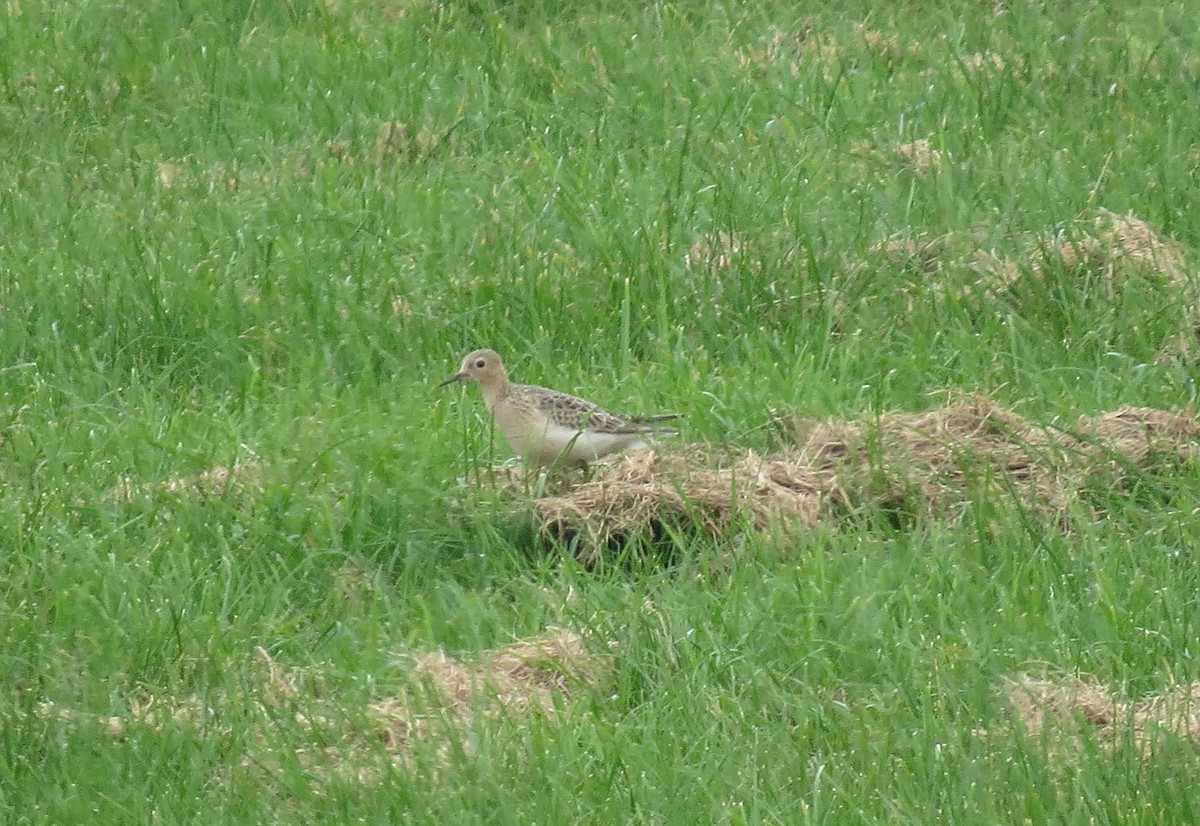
481 364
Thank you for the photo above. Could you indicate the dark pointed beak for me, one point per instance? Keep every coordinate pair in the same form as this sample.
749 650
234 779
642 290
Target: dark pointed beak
452 379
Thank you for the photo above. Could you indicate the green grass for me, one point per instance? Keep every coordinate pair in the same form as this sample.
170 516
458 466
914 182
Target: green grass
209 256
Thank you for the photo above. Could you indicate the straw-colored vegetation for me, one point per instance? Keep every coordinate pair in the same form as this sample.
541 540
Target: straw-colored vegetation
928 464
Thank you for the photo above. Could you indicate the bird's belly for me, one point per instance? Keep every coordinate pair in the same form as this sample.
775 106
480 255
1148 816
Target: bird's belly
553 443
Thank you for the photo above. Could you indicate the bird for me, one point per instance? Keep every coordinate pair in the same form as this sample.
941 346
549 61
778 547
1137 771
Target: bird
548 428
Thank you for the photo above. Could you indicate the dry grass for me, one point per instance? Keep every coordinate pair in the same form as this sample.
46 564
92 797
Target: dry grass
882 43
397 141
1116 244
394 143
447 698
526 676
792 50
806 47
717 252
444 699
982 62
243 476
920 155
1107 248
1064 711
1113 249
929 463
1107 251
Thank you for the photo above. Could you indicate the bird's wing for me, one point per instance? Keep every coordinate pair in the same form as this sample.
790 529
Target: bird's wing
574 412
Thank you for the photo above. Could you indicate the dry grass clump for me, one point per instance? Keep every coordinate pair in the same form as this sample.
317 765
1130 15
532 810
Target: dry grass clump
930 463
243 476
1108 245
714 252
1106 250
917 156
529 676
395 142
185 172
1115 247
981 62
941 457
954 263
1112 246
883 44
646 495
444 699
1144 436
937 455
792 50
920 155
365 15
721 251
804 48
147 710
1064 711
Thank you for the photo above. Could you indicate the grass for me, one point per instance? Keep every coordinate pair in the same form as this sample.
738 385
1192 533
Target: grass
221 250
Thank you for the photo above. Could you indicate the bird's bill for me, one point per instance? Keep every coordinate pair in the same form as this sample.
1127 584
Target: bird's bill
454 378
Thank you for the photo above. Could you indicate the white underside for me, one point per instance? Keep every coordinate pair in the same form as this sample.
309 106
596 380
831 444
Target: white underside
553 444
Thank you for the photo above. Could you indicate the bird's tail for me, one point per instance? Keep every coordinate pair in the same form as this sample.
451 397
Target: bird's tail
662 417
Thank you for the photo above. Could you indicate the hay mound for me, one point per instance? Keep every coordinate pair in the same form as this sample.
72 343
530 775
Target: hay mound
931 463
646 495
1063 710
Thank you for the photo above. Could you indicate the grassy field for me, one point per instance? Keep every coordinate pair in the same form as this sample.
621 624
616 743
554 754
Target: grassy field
240 244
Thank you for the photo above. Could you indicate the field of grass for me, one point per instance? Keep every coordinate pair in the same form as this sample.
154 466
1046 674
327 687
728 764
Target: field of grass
240 244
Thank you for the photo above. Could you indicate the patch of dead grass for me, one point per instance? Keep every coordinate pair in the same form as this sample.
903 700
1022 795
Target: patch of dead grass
1063 711
1107 244
920 155
882 44
790 49
916 156
526 675
714 252
447 697
1105 249
444 699
981 62
398 141
243 476
1112 246
365 15
930 463
394 143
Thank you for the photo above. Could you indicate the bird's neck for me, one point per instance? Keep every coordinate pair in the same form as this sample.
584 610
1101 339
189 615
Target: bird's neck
495 391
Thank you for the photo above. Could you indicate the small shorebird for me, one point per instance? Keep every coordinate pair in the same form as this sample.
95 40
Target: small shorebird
546 427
